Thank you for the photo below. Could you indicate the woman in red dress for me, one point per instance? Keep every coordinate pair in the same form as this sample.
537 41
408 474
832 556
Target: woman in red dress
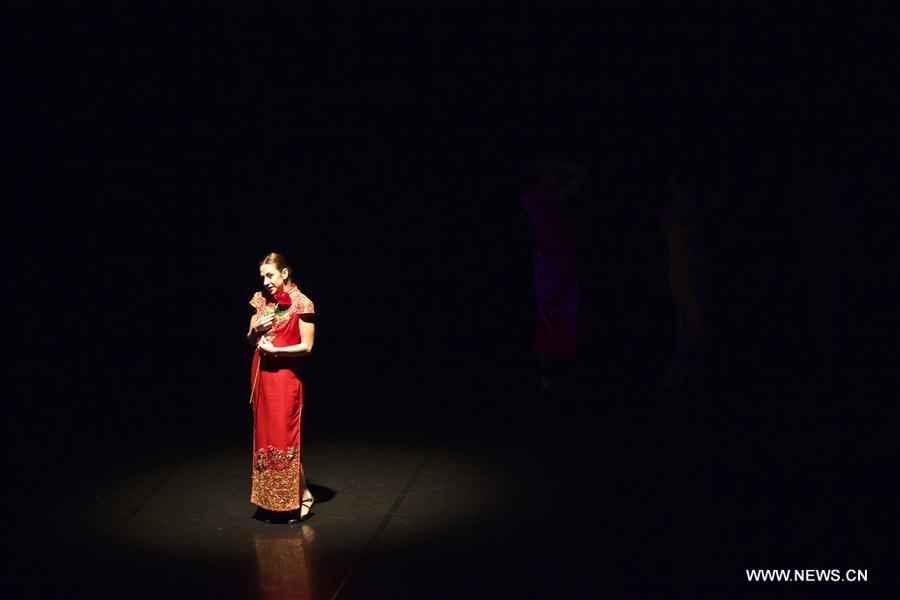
545 198
282 330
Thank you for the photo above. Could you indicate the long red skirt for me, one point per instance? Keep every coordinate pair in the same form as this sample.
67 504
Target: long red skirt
277 481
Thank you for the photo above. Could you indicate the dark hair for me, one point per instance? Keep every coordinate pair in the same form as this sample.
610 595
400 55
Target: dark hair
280 262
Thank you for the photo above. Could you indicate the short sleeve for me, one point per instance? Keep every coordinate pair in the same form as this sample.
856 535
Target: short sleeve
305 306
257 301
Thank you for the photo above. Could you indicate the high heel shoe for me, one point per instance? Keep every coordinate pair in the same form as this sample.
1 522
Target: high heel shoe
302 513
306 506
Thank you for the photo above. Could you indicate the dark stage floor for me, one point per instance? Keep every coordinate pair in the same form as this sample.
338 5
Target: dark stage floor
475 489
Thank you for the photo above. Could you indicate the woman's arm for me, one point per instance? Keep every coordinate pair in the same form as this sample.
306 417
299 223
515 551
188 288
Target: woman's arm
304 348
252 336
258 326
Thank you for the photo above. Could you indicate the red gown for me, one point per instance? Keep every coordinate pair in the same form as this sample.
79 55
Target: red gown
277 479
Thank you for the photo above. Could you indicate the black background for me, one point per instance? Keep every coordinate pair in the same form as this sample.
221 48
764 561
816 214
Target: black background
158 152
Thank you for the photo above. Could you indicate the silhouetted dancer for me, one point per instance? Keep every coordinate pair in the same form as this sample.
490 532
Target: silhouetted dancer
551 187
683 223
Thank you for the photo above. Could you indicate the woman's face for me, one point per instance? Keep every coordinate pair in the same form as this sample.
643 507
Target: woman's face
272 278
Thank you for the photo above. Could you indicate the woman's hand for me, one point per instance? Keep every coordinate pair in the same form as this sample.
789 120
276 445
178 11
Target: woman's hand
263 324
266 347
